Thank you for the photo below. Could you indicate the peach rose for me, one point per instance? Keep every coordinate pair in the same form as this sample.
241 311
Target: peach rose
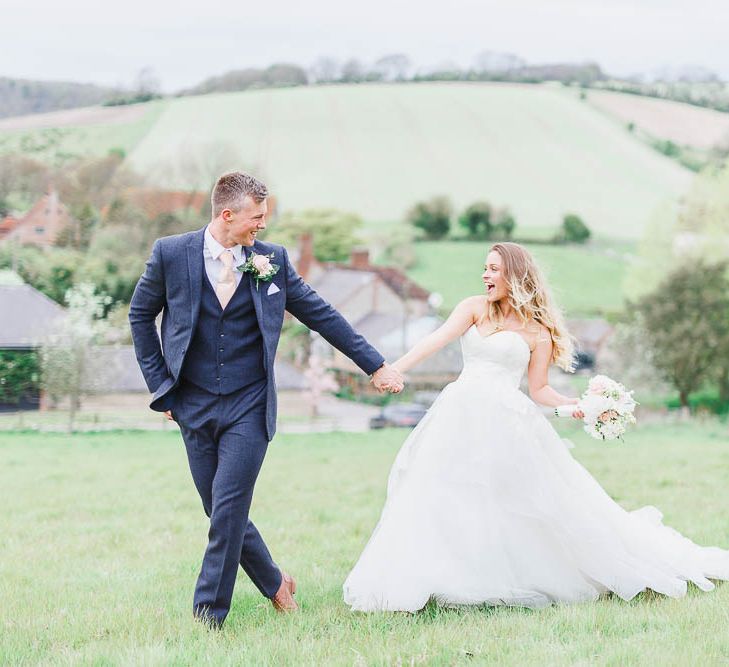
607 416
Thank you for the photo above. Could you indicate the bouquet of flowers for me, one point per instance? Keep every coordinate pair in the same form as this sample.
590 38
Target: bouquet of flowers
608 408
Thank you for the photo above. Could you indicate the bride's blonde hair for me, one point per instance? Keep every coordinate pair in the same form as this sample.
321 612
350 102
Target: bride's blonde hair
531 299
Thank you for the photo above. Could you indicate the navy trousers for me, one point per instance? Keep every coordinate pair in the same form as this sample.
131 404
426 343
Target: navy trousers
226 442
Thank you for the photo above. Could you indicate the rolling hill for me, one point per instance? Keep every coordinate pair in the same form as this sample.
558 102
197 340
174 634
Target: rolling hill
376 149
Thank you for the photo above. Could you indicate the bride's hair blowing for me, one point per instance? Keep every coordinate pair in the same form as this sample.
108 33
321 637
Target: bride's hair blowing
531 299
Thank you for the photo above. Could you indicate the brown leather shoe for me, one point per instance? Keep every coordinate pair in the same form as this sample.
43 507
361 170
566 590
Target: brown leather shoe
284 598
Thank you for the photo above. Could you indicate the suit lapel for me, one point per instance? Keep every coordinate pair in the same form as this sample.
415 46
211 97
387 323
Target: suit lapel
256 293
195 267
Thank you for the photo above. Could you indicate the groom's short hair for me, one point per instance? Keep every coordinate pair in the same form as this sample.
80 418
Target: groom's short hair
231 189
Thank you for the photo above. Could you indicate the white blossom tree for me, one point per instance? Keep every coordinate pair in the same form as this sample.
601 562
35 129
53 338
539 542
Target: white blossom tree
66 352
320 381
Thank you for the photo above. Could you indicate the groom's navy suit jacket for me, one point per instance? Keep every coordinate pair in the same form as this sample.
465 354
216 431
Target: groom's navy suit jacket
172 284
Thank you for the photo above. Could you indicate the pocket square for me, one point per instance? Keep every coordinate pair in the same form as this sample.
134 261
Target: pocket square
272 289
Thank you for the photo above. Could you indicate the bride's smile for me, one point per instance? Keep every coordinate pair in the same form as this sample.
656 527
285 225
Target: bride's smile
493 280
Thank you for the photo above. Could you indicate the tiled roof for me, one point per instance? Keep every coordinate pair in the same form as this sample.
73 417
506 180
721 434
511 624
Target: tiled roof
26 314
393 277
336 284
400 283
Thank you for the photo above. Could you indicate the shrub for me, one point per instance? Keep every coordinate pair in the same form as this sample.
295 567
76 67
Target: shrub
19 376
334 232
685 321
50 271
476 220
667 147
504 224
433 217
708 400
573 230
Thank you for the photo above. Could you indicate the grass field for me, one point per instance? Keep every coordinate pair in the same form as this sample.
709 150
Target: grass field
587 280
102 537
377 149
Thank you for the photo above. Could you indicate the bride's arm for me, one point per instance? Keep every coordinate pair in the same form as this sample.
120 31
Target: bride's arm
458 321
539 388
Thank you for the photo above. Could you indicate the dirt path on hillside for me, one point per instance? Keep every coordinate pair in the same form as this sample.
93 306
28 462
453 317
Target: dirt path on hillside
76 117
681 123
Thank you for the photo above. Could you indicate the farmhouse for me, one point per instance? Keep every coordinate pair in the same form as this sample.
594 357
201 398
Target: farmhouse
7 225
385 306
41 225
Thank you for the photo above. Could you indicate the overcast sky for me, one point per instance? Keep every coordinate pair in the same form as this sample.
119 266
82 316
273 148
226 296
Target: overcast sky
184 42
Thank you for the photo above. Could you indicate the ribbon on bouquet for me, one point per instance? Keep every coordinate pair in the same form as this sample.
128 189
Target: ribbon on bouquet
565 410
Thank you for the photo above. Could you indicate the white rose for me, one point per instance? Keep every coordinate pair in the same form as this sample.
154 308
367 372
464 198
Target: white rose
601 384
262 264
625 404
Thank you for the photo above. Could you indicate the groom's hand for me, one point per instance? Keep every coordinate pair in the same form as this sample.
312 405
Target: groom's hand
387 378
168 414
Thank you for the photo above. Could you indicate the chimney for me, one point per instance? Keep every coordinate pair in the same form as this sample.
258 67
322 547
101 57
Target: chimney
360 259
306 254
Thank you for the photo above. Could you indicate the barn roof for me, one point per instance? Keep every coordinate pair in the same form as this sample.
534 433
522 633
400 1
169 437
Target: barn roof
26 314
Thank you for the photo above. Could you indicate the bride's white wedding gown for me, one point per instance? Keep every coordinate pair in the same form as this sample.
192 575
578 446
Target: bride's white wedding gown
485 504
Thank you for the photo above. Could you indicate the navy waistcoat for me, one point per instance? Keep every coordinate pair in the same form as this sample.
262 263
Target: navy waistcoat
226 350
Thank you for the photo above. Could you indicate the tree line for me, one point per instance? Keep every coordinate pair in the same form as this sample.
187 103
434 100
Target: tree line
19 97
481 221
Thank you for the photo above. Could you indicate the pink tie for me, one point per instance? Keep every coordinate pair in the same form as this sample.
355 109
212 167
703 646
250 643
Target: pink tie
226 280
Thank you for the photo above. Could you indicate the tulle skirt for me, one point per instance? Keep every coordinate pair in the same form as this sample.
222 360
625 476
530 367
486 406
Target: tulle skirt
486 504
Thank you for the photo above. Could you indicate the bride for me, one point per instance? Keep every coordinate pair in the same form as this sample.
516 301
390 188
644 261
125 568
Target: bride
485 503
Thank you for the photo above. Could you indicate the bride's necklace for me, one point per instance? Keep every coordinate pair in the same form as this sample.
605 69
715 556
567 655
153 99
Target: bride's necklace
500 326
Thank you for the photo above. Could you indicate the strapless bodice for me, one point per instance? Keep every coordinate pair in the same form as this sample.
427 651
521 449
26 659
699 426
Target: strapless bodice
503 356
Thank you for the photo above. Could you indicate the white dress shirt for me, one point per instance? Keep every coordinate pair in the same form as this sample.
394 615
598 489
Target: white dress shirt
213 264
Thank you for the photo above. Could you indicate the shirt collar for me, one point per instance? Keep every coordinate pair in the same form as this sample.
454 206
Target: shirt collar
215 249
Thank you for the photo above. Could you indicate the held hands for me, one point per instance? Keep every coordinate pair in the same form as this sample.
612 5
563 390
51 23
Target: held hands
388 378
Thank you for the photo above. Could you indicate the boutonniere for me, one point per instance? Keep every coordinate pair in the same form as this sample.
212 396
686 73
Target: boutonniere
260 266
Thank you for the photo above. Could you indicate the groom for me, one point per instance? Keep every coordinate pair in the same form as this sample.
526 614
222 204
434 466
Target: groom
213 373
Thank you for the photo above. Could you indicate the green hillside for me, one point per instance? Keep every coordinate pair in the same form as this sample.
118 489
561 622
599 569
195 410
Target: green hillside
60 136
376 149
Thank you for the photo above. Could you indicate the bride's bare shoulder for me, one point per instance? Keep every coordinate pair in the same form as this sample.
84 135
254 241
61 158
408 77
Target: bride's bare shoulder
471 303
475 305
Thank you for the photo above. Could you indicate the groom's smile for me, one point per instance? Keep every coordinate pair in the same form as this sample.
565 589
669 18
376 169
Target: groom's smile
242 226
